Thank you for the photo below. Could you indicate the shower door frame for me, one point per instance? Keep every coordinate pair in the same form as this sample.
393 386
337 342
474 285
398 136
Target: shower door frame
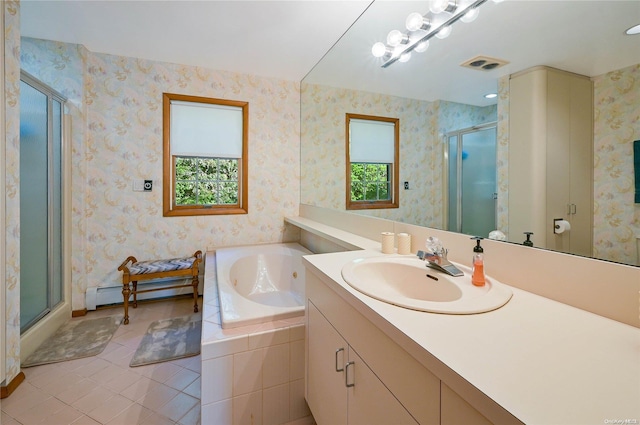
445 174
58 315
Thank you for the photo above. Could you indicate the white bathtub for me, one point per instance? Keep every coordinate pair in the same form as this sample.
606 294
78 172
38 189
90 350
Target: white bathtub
260 283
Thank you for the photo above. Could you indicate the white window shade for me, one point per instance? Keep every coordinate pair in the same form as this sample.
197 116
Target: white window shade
371 141
206 130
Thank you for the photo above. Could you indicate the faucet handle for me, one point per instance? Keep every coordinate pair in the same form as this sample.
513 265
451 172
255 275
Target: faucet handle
434 245
427 256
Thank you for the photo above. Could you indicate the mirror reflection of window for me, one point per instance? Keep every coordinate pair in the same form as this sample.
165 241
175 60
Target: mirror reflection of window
372 162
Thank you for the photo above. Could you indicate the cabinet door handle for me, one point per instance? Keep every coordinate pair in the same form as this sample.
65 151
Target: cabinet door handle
346 375
574 208
338 368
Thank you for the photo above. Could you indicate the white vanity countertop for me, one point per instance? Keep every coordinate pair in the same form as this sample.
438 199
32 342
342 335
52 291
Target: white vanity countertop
543 361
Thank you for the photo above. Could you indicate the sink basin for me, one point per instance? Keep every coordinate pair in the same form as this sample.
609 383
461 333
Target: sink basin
407 282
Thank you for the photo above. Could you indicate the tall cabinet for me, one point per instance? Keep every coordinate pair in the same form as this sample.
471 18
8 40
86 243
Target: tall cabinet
551 158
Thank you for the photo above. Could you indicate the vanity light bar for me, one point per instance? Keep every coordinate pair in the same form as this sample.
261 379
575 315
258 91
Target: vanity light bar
394 54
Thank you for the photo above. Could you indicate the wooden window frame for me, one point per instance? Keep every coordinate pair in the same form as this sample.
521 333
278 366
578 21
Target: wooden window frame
395 172
168 162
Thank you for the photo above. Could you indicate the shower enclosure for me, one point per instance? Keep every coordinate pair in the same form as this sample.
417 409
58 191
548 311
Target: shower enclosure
470 158
41 270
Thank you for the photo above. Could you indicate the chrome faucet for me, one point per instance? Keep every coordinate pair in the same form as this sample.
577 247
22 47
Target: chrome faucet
438 261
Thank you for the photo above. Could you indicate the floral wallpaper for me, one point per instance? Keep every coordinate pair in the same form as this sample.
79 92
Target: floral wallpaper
10 191
502 156
422 127
323 147
616 220
117 103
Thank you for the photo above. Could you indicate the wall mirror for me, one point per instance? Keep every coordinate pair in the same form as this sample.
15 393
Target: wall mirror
435 99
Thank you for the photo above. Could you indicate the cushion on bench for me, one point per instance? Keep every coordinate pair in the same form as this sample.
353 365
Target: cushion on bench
157 266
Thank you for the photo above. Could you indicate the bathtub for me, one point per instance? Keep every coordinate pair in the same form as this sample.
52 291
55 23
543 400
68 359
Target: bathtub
260 283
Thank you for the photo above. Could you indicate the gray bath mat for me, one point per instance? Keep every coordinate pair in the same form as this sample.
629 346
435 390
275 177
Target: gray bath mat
75 340
169 339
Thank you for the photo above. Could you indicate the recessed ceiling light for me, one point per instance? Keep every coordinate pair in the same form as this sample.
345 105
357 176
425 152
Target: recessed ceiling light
635 30
491 95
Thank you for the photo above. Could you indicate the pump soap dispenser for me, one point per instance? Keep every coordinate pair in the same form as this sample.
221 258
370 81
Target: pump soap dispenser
528 242
477 272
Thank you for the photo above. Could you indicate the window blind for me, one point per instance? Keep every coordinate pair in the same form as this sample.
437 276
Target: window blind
206 130
371 141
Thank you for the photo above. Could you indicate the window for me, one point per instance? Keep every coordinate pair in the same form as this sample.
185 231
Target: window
205 156
372 162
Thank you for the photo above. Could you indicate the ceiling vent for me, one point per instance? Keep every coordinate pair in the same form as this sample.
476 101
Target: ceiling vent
484 63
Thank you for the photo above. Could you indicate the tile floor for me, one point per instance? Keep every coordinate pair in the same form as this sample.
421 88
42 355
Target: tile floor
104 389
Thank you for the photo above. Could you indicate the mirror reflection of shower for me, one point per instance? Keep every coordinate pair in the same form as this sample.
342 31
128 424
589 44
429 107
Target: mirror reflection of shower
471 180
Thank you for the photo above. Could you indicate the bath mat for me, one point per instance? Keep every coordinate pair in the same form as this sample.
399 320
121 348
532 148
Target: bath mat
75 340
169 339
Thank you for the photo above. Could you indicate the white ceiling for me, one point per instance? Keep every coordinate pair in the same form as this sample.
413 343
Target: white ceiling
282 39
285 39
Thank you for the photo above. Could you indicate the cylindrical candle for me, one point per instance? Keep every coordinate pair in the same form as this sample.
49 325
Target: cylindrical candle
387 242
404 243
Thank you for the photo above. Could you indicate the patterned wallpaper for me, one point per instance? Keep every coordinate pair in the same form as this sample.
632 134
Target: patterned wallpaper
422 126
616 218
502 156
11 193
119 106
323 148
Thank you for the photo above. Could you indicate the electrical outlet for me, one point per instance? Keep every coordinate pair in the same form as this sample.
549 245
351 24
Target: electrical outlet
148 185
406 185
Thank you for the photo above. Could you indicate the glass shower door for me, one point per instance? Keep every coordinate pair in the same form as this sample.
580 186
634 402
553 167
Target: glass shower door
479 192
40 204
472 189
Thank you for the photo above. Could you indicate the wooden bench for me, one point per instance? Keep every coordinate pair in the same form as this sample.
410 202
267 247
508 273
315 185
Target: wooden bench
157 269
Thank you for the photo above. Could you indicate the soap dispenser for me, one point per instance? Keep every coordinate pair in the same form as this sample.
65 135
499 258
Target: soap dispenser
528 242
477 272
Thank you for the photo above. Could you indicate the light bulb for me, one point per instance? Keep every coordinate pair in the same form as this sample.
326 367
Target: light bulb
422 46
394 38
470 16
444 32
498 1
405 57
415 21
439 6
379 49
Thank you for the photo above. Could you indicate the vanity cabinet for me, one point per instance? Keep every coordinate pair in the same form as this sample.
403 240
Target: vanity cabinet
390 386
341 388
551 158
344 348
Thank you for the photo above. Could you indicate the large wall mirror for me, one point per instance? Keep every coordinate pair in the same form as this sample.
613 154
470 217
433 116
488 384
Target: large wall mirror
441 106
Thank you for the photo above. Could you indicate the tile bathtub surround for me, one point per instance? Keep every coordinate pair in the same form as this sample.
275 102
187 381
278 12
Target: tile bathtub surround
251 374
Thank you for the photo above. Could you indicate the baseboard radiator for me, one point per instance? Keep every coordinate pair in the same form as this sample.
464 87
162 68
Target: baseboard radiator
109 295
